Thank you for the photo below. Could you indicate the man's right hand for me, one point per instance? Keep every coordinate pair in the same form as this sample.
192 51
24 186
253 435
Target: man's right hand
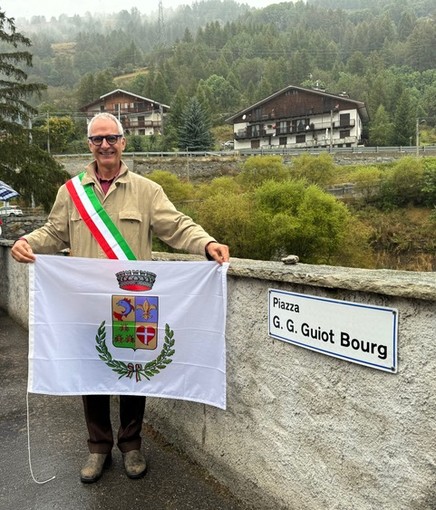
22 252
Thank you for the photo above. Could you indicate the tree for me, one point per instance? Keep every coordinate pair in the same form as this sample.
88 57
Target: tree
86 90
381 129
403 184
195 133
104 83
421 44
404 122
314 169
60 131
258 169
14 112
23 165
221 95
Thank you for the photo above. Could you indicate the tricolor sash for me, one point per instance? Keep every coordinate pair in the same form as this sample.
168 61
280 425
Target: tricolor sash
97 220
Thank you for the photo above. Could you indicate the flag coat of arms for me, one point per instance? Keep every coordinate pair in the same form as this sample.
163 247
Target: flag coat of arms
100 326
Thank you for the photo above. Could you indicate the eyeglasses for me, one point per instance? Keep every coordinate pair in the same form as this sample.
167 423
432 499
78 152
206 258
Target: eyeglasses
110 139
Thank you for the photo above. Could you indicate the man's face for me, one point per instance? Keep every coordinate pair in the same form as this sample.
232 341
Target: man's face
107 155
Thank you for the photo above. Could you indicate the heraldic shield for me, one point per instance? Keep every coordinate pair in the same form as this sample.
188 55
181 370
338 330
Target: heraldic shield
135 322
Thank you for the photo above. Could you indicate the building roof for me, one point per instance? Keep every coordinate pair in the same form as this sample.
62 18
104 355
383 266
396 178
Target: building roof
124 92
360 106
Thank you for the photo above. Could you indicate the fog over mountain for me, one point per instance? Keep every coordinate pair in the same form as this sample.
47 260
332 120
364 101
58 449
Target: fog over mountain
49 8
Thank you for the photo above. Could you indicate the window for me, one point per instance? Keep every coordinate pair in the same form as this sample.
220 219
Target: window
344 133
344 119
255 144
283 140
283 126
255 130
300 138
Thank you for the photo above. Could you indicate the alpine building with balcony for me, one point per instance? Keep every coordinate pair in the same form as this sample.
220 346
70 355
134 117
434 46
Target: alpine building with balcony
297 117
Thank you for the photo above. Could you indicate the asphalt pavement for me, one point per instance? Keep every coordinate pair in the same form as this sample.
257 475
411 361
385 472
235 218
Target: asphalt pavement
58 448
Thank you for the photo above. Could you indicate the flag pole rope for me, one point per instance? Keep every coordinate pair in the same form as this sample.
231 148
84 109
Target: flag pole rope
28 446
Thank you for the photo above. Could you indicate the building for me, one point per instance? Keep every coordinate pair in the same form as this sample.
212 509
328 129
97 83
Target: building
138 115
297 117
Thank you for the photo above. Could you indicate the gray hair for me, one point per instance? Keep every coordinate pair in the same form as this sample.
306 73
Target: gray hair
109 116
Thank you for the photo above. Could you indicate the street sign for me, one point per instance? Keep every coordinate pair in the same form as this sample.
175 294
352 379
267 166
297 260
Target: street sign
355 332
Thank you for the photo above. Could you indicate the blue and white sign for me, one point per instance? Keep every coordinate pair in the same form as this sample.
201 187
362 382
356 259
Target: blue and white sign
360 333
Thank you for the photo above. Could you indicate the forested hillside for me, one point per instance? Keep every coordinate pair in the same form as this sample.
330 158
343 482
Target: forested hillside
229 55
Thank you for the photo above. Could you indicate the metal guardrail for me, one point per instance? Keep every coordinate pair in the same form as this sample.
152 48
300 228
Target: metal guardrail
424 150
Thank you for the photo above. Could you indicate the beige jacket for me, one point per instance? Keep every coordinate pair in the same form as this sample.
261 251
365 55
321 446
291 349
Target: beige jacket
137 206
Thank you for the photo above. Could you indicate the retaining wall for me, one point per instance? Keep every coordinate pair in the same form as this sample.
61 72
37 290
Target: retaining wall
304 431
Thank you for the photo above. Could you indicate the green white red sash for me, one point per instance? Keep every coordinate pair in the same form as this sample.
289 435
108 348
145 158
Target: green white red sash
97 220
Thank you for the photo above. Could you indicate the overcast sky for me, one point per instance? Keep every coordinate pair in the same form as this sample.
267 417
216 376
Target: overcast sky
49 8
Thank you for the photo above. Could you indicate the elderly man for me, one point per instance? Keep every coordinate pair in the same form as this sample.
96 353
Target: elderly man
138 208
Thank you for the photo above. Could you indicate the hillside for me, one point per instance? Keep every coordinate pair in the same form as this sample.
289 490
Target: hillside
381 53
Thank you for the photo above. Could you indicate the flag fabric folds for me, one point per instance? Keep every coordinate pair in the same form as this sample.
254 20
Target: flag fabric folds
128 327
6 192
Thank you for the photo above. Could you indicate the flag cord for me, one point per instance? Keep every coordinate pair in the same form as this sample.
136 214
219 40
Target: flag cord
28 446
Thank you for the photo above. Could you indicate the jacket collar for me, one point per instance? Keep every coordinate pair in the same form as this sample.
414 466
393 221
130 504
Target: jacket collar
90 176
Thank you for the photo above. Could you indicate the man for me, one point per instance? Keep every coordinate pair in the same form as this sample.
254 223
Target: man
138 207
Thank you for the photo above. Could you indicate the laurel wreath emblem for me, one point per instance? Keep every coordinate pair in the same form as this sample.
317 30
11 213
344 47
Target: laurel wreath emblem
147 370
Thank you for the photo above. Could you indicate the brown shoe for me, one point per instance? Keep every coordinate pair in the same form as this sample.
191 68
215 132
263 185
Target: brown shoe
94 466
134 464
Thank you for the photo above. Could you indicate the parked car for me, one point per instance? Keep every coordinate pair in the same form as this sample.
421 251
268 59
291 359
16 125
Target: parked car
228 145
11 210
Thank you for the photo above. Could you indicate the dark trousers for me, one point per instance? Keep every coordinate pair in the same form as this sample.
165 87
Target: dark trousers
98 421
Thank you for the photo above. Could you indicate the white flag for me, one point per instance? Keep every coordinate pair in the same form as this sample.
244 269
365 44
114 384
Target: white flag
128 327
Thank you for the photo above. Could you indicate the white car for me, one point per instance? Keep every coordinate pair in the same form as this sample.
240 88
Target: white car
228 145
11 210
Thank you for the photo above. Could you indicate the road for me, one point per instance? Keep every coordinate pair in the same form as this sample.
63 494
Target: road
58 448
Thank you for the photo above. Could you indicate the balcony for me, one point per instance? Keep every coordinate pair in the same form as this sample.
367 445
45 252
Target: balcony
342 124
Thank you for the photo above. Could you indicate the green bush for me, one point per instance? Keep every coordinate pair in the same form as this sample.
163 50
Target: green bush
179 192
258 169
402 184
314 169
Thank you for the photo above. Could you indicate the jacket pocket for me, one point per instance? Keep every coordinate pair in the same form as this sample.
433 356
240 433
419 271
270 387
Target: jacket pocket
131 226
134 217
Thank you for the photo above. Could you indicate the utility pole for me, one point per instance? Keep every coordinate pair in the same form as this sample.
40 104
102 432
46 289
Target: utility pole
161 119
48 132
418 122
331 130
160 23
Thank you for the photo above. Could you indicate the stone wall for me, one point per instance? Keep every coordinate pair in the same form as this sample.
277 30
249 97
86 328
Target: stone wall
16 226
195 168
304 431
204 167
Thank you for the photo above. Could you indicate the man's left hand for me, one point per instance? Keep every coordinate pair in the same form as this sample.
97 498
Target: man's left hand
219 252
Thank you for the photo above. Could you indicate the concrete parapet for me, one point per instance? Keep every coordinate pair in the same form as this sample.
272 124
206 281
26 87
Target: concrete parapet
304 431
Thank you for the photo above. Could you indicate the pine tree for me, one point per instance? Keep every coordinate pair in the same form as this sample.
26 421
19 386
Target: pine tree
381 130
174 119
404 121
14 112
29 170
194 132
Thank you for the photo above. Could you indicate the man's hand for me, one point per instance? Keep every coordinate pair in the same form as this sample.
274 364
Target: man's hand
219 252
22 252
